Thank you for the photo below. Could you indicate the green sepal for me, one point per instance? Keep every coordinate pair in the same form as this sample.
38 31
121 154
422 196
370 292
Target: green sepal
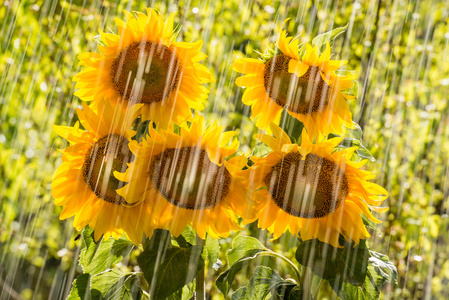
329 36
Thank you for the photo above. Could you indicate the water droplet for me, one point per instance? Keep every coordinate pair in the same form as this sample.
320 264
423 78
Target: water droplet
269 9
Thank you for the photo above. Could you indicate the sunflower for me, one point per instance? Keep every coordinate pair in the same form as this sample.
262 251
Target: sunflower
312 190
185 179
84 183
306 86
144 64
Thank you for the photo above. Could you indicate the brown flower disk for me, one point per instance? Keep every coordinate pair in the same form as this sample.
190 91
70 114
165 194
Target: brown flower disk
188 179
108 154
309 188
145 74
306 94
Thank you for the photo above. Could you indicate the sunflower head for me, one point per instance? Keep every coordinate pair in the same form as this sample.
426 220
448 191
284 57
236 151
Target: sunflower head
144 64
312 190
84 183
186 180
304 83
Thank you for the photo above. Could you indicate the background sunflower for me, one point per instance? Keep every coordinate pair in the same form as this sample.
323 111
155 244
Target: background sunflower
84 183
185 179
143 63
300 80
311 190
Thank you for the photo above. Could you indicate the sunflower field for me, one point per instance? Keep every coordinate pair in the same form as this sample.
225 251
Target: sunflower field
224 149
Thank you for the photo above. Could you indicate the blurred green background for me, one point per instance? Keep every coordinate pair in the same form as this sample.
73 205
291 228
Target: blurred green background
399 49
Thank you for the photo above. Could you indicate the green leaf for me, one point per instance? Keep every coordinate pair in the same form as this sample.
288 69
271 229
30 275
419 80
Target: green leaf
347 264
98 257
81 288
244 246
225 279
186 293
190 235
239 294
261 282
380 271
160 239
168 269
330 36
355 133
213 252
287 290
115 285
362 152
292 126
265 282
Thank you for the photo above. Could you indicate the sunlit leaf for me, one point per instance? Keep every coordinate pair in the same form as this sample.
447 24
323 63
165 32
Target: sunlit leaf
98 257
110 285
213 252
80 288
115 285
244 246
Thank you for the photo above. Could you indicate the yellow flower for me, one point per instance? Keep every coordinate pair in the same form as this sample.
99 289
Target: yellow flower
144 64
84 183
185 179
306 86
312 190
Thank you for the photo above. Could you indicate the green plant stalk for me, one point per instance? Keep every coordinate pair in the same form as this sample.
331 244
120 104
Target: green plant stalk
200 293
318 288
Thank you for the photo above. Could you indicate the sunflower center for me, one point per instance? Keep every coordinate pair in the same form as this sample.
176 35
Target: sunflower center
188 179
309 188
305 94
145 73
108 154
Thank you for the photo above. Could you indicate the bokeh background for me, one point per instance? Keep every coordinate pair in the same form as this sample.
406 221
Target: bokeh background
399 49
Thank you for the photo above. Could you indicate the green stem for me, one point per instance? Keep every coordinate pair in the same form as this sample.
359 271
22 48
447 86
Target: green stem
306 282
289 262
318 288
200 293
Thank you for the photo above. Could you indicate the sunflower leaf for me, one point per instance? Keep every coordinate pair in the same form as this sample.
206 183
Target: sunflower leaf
169 269
286 290
225 279
260 284
115 285
243 246
111 285
380 271
80 288
98 257
380 265
213 253
362 151
329 36
347 264
244 249
239 294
